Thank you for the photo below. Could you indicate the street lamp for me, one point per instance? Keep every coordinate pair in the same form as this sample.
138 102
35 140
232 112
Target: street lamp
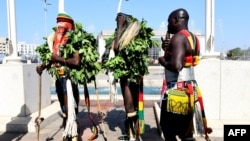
45 15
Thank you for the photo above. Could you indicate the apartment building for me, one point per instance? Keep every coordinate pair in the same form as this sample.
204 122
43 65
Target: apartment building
22 47
4 45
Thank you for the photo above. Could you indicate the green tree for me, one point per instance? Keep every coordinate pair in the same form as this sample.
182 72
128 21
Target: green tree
234 53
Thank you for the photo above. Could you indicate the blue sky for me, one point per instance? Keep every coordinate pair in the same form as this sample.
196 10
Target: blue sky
231 17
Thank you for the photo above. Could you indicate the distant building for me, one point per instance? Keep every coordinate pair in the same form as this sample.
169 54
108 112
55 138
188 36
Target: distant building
4 45
22 47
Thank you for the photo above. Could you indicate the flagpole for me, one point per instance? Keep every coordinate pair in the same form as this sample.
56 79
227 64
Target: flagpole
45 16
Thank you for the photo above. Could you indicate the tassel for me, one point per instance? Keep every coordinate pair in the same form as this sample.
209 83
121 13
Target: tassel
141 125
87 101
163 90
95 133
206 130
71 125
199 127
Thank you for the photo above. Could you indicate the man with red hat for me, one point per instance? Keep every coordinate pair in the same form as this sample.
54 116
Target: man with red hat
64 25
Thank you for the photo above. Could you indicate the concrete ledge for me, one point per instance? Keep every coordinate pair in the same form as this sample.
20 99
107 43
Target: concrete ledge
49 113
27 124
157 112
106 97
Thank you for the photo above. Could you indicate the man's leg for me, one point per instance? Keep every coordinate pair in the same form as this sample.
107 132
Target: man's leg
167 123
61 94
62 97
131 113
77 98
186 128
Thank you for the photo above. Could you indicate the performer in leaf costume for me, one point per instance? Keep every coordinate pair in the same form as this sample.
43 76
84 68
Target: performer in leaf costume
180 101
130 44
70 55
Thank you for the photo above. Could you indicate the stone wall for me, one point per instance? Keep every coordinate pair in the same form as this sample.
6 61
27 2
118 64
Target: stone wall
19 88
225 86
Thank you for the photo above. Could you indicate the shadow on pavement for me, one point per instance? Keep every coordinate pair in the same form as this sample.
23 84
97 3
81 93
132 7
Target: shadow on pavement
13 130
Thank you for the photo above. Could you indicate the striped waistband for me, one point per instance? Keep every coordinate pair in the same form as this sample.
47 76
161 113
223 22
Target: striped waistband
179 84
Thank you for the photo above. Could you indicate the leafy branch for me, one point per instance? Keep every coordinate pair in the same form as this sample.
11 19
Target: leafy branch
133 60
77 40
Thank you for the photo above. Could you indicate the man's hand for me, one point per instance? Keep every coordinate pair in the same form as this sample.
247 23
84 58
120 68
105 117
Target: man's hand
54 58
165 43
40 68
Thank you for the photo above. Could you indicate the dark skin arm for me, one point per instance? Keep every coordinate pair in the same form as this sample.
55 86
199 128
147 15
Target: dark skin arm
177 48
74 61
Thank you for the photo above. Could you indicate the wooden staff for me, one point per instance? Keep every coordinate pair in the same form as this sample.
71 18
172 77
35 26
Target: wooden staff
100 114
39 119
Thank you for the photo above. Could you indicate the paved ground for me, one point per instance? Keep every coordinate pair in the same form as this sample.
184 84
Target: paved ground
114 118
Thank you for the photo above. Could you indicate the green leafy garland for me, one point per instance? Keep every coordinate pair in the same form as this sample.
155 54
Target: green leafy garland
133 60
85 43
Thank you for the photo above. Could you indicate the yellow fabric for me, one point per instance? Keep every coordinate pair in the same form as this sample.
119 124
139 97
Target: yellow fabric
178 101
191 41
141 105
193 59
196 60
141 126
